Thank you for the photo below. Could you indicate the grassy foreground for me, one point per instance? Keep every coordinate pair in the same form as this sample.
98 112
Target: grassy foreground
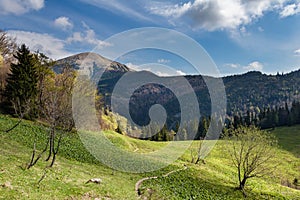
75 166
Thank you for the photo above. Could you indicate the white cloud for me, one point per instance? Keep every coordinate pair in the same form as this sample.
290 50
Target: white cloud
130 8
218 14
260 29
165 74
87 37
64 23
253 66
159 70
167 9
181 73
163 61
256 66
45 43
297 52
233 65
133 66
243 30
289 10
19 7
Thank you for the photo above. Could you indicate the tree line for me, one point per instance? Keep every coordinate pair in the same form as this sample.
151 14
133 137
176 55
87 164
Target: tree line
267 117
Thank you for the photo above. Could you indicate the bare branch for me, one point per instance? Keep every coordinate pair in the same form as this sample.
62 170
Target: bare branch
251 153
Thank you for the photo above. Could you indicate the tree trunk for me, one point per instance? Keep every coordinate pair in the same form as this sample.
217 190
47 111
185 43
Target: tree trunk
33 162
32 157
15 126
242 183
199 159
53 160
51 139
55 151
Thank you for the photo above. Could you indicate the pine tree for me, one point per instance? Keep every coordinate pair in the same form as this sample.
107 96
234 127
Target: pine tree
203 127
164 133
248 118
21 88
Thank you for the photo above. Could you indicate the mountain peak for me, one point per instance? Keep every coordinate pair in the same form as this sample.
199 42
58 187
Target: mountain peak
88 62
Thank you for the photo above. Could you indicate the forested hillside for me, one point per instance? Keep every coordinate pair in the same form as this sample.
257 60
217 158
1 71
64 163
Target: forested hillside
244 92
252 98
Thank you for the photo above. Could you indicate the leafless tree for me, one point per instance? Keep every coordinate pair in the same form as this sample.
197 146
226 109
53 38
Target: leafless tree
7 48
7 45
204 146
196 153
252 152
21 109
57 112
44 71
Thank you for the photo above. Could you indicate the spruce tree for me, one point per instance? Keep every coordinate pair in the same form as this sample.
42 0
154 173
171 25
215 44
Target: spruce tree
21 88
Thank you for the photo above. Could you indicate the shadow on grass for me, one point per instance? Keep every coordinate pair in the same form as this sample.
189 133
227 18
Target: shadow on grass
185 185
288 138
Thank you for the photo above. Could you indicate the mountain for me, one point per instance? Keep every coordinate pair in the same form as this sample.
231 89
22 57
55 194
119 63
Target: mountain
250 91
255 89
101 70
91 64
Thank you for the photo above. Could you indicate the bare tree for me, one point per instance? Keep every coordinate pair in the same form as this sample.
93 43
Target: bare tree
7 45
85 92
204 146
21 109
252 152
196 154
44 71
57 112
7 48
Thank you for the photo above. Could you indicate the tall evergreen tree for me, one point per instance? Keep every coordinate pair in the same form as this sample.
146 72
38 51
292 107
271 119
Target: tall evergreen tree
203 127
295 113
21 88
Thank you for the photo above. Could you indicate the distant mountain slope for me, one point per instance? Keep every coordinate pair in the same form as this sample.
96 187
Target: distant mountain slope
255 89
102 70
252 90
91 64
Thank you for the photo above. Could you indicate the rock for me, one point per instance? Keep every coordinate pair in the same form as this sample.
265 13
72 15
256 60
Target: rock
95 180
7 185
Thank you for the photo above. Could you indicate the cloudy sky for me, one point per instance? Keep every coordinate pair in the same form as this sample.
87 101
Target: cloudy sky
239 35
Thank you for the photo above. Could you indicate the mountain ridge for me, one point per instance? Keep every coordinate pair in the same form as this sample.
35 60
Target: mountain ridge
84 55
244 92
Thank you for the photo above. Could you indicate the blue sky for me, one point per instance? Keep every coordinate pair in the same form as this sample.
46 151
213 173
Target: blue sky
239 35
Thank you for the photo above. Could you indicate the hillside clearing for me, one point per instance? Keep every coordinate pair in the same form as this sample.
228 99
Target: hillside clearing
75 166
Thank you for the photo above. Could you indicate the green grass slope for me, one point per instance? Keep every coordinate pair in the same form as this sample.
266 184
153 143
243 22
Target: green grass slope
67 179
289 138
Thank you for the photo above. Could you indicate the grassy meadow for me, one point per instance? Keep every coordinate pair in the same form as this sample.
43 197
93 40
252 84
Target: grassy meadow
75 166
